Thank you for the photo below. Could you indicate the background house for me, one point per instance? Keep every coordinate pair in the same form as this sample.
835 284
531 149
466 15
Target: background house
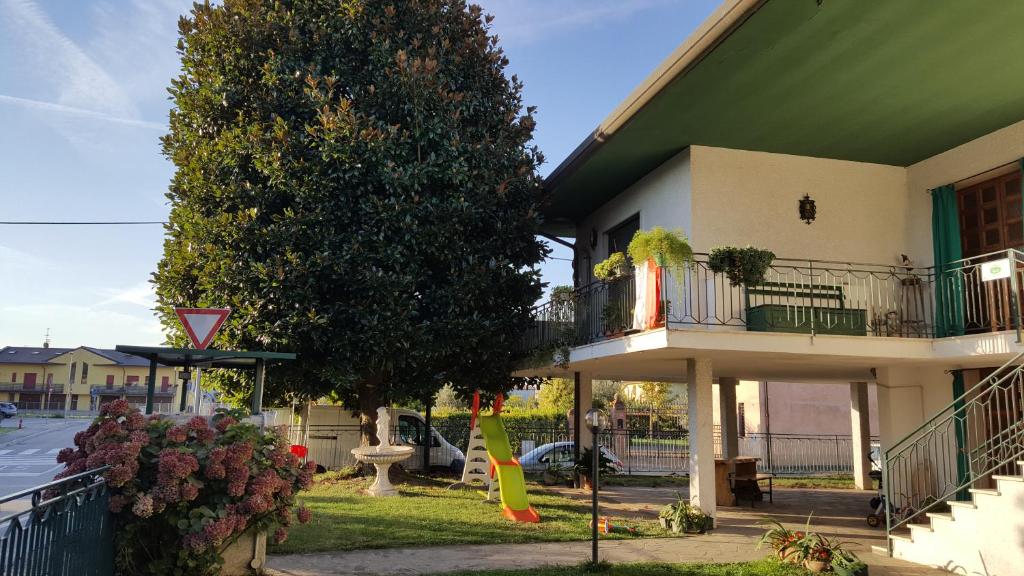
81 379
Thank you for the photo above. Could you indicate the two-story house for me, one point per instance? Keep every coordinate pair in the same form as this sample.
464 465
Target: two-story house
903 123
81 379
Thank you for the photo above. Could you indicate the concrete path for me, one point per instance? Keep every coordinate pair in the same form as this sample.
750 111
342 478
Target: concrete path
838 513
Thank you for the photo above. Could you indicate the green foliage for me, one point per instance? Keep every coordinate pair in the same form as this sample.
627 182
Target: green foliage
666 248
604 392
585 465
657 395
556 395
448 399
799 546
563 294
685 517
358 184
742 266
611 268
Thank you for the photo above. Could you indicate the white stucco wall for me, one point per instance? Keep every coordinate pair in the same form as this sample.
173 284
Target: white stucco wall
988 152
799 408
662 198
751 198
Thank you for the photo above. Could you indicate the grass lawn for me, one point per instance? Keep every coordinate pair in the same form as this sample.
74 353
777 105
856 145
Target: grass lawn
6 430
760 568
428 514
834 482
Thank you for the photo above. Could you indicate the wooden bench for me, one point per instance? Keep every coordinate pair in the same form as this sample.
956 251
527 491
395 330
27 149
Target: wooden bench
746 481
791 307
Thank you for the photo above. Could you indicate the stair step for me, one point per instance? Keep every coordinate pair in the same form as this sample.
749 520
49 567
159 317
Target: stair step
879 550
1008 478
940 516
901 538
961 504
984 491
914 528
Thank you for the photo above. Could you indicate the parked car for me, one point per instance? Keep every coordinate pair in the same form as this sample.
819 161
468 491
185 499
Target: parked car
560 455
8 410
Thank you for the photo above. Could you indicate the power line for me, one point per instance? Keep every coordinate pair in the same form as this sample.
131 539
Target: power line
81 222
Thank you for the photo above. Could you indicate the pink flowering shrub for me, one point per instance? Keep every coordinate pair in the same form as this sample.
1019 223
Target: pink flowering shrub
182 493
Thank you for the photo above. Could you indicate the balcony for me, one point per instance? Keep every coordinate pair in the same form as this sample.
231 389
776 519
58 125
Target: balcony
33 388
798 296
133 390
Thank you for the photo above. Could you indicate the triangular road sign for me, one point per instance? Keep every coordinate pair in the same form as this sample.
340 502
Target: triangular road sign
201 324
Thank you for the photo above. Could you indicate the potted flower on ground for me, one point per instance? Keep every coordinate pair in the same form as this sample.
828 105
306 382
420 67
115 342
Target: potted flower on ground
584 467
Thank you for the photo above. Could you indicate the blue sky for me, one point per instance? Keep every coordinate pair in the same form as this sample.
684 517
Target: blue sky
83 102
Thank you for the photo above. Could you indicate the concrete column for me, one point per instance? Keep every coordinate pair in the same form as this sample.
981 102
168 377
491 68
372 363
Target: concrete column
727 417
586 402
860 431
701 429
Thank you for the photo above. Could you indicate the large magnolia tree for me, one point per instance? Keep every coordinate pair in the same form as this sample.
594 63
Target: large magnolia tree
355 180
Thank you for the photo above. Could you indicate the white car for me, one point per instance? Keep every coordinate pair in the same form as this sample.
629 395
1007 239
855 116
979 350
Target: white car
559 455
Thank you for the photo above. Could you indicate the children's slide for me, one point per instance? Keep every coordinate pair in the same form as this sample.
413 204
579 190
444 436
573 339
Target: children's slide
510 473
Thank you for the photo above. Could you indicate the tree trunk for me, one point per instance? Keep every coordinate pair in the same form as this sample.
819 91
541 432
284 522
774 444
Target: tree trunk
369 401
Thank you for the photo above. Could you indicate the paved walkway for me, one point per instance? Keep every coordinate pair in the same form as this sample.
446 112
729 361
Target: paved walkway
838 513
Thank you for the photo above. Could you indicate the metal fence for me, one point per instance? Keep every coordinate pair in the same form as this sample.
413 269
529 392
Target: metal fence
640 450
67 530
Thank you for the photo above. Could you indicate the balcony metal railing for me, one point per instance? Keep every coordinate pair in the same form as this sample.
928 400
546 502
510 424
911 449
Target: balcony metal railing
32 388
802 296
130 390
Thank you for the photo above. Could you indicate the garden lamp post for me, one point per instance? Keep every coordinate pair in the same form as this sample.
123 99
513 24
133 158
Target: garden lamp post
596 420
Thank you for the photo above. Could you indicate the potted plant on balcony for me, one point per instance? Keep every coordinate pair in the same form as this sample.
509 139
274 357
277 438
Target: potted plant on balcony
668 249
742 266
611 268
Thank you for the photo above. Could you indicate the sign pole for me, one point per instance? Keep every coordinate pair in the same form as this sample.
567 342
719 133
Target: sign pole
151 385
257 392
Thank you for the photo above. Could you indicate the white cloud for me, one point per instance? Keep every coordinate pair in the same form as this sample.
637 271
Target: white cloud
141 294
14 260
72 325
81 112
58 66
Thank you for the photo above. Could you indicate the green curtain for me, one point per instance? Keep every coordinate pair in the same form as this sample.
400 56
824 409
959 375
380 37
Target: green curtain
949 302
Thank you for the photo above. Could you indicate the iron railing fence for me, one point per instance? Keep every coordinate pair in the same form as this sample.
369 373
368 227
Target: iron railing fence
32 388
640 450
800 454
66 531
803 296
977 435
972 304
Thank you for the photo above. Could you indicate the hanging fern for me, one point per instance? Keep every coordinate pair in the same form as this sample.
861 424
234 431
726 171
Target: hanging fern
669 249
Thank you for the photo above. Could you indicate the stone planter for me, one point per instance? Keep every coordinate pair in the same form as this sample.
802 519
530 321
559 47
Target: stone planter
816 566
246 556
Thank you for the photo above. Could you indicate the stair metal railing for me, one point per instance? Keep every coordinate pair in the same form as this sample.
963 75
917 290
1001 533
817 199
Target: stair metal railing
977 435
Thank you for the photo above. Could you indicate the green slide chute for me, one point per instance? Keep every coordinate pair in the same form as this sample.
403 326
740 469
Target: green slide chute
511 481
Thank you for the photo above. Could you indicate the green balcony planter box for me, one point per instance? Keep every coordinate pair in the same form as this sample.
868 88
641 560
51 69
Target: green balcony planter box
797 320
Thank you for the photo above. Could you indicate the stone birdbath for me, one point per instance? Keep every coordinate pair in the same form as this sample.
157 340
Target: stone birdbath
382 456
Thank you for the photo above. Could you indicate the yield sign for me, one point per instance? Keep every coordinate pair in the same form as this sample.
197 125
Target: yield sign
202 324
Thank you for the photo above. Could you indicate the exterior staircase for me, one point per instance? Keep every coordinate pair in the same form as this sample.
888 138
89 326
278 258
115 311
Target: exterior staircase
956 484
983 536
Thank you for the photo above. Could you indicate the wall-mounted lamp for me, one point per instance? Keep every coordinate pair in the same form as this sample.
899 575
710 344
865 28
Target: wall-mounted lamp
807 209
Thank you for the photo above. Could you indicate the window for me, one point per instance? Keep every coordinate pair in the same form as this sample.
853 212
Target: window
30 380
14 376
410 430
71 379
621 234
132 380
110 380
85 372
165 383
558 457
741 421
990 215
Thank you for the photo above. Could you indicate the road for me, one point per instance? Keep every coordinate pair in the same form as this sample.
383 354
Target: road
28 457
